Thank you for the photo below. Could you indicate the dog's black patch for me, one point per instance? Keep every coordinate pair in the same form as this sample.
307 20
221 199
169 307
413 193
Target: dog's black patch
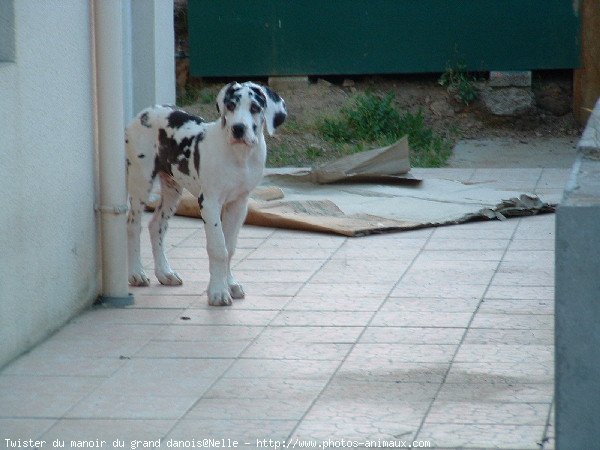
141 155
199 138
259 96
128 162
177 118
231 94
144 120
272 94
278 119
200 201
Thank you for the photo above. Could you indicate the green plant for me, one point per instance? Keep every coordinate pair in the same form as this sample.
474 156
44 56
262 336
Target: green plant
194 94
369 120
458 82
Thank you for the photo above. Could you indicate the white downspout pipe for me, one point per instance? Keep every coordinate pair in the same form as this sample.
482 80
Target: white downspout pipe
107 26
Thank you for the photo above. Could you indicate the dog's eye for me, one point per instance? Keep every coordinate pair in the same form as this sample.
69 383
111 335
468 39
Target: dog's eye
230 106
254 108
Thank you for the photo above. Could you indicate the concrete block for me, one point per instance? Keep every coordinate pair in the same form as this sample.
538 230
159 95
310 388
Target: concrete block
287 82
508 101
510 78
577 335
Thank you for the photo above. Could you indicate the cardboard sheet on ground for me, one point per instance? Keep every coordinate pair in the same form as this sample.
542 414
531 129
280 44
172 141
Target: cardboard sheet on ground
372 192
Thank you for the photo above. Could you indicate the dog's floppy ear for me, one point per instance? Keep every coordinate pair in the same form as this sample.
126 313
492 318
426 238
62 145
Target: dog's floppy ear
275 111
226 91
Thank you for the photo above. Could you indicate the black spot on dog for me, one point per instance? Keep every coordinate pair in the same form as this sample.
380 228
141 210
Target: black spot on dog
278 119
231 94
199 137
259 96
141 155
254 128
272 94
144 120
200 201
128 162
178 118
187 153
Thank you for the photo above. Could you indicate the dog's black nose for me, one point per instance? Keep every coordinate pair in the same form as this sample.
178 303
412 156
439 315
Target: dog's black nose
238 130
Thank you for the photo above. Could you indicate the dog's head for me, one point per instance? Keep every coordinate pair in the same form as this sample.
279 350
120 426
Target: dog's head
245 108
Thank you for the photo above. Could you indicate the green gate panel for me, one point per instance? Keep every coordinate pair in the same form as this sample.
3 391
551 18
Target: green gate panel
326 37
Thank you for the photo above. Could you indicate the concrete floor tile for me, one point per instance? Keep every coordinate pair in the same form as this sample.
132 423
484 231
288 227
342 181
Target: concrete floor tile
510 337
432 289
245 432
466 436
58 362
482 232
282 369
266 388
261 289
315 242
192 349
225 316
268 265
321 303
391 370
509 373
526 245
250 408
24 428
309 334
421 319
401 250
53 396
256 302
526 354
488 413
120 405
520 292
290 253
161 301
108 430
108 315
298 350
423 304
525 278
406 352
504 306
496 392
209 333
282 276
360 420
467 244
514 321
460 255
376 392
322 318
343 291
411 335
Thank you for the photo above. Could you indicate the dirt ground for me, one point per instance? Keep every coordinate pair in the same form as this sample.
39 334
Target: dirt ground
551 117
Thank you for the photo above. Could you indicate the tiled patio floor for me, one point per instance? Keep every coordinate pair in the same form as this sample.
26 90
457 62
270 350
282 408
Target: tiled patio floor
441 335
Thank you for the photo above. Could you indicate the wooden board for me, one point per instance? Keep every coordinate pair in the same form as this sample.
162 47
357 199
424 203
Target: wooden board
586 80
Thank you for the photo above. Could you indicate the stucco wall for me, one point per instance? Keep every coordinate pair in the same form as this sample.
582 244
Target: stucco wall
48 250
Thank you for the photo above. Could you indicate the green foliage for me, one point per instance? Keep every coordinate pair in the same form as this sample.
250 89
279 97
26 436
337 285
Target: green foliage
458 82
370 121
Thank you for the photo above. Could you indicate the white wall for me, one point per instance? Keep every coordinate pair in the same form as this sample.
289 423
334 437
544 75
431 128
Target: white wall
48 250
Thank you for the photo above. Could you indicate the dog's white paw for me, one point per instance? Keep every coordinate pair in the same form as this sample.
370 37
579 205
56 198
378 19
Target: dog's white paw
138 278
236 290
169 278
219 296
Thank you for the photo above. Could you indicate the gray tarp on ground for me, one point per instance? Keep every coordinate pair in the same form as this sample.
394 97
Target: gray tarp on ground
372 192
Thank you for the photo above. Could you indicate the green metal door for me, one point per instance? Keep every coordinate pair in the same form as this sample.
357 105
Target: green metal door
320 37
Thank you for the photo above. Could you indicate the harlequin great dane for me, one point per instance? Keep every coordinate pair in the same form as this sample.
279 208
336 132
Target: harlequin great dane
218 162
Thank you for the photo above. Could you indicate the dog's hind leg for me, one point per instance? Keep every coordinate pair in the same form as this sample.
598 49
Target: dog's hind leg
170 193
139 189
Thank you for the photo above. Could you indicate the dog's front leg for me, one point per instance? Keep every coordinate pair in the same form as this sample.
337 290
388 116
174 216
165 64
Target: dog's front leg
218 290
234 214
